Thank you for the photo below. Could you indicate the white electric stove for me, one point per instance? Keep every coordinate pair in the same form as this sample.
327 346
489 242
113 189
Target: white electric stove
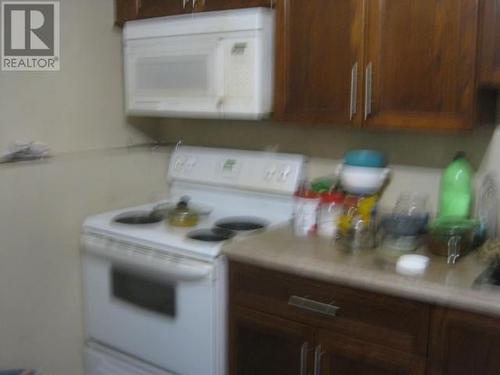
155 295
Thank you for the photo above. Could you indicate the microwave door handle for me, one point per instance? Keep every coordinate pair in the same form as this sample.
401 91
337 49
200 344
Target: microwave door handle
220 81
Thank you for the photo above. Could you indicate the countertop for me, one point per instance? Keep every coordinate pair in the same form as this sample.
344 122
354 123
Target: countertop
316 258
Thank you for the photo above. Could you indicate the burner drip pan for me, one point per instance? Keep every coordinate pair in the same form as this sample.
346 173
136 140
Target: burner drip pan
242 223
211 235
138 218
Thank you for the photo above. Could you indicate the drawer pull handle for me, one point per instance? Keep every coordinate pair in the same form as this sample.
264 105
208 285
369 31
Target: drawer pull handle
314 306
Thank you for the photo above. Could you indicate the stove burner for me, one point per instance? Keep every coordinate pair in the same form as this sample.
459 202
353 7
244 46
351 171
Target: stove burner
242 223
138 218
211 235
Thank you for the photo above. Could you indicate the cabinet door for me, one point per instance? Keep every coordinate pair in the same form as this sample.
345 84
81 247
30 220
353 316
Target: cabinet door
208 5
319 60
420 63
464 344
490 43
127 10
159 8
338 355
264 345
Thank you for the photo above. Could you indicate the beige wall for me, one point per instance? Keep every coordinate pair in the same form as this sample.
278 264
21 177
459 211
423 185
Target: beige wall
42 208
330 142
43 204
81 106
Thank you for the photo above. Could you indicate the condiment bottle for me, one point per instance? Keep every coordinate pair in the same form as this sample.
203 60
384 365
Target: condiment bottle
456 189
306 211
330 211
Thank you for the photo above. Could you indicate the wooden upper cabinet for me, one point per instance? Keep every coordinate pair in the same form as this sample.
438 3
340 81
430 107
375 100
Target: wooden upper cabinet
155 8
127 10
319 63
208 5
463 344
489 73
420 63
261 344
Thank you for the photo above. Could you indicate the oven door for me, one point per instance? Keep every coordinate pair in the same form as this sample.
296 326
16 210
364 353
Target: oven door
174 76
161 315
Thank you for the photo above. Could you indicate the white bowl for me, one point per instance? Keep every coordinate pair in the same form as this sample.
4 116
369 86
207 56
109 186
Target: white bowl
362 180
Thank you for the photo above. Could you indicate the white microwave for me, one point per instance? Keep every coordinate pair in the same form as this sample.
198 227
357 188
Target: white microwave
203 65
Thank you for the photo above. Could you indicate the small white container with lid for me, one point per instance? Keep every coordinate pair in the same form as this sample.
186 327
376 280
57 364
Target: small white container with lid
412 265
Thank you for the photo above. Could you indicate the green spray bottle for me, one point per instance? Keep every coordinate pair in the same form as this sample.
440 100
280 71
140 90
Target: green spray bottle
456 189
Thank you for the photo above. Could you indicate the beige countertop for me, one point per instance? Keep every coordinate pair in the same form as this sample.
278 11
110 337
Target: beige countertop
442 284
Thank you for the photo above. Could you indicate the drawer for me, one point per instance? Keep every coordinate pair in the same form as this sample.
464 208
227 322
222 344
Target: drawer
373 317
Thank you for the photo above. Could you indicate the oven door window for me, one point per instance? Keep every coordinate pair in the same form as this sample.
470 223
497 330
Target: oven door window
144 291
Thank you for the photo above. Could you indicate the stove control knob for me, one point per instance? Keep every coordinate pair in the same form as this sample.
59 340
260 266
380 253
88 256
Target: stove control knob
284 173
270 173
179 164
191 163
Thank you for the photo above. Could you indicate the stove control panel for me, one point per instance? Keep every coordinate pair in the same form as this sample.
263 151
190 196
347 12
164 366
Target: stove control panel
253 170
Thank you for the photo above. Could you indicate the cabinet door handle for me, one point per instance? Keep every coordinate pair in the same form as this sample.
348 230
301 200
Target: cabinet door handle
368 89
318 354
303 358
354 91
314 306
203 3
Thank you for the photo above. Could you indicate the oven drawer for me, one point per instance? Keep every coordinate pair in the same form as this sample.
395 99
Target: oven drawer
100 360
156 316
393 322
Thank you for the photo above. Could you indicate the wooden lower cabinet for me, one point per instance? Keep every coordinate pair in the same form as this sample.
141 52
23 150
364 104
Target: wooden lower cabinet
336 355
464 344
271 334
261 344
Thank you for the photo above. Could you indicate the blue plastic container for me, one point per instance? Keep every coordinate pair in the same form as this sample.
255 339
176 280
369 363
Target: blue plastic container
365 158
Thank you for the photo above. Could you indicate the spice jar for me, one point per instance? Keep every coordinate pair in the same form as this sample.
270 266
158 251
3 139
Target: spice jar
356 223
451 237
330 211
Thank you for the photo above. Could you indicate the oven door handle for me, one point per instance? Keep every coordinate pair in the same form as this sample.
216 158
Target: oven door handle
170 266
